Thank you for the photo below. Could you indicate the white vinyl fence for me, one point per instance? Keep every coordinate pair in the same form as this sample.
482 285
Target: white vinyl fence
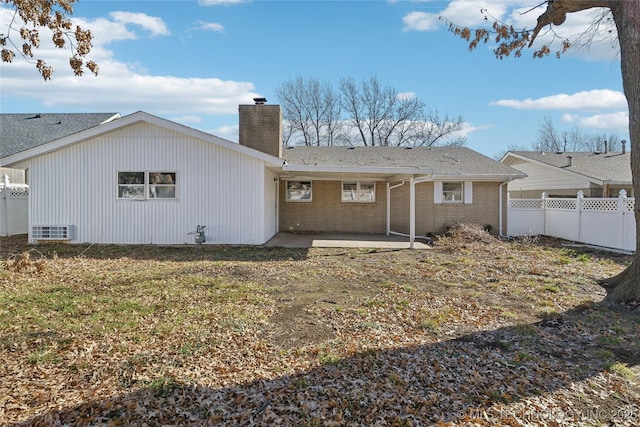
595 221
14 204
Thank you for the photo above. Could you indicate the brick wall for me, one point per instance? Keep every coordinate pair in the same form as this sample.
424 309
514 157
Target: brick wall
329 214
260 127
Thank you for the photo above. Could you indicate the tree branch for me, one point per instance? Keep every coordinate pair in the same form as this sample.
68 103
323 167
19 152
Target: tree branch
557 10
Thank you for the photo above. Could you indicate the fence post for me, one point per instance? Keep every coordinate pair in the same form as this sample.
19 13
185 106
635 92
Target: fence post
544 213
622 205
4 204
579 203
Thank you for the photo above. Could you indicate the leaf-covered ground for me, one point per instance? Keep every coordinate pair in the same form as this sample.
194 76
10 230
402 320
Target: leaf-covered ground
474 332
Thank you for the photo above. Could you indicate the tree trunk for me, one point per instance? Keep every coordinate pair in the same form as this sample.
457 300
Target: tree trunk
626 14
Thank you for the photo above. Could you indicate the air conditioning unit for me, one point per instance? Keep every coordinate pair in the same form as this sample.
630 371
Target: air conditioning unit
51 232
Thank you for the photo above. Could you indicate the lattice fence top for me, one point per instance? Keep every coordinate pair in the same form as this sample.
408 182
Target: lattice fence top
525 203
570 204
629 205
18 192
601 205
590 204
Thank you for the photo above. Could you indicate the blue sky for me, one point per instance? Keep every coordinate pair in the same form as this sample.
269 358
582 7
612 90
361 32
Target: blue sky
194 62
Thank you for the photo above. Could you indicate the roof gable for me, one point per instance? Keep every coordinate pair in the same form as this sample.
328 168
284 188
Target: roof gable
128 120
597 167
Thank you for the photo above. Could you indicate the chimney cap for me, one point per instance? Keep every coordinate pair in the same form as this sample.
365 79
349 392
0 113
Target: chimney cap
259 101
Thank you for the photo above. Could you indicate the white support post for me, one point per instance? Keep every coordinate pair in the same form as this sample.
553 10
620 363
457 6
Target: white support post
412 212
388 208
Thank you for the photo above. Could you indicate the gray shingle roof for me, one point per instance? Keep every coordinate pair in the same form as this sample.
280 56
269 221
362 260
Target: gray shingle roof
611 166
441 160
19 132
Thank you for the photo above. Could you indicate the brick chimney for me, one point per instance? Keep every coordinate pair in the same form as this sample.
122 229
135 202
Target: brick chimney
261 127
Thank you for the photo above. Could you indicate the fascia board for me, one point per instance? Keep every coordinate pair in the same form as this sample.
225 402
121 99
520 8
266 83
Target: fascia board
478 178
356 169
131 119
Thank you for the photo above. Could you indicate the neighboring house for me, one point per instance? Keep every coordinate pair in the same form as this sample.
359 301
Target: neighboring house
23 131
143 179
564 174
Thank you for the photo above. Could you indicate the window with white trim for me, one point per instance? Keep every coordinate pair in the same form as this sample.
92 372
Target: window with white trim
146 185
357 191
299 191
453 192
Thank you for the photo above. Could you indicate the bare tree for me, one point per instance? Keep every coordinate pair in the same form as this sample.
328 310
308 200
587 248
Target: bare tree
551 139
367 113
380 114
625 15
32 16
311 108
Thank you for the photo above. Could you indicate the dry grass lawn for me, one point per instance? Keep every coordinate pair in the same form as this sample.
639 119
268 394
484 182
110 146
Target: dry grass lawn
475 332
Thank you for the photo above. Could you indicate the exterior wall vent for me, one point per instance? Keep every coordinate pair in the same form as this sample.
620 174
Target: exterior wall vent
52 232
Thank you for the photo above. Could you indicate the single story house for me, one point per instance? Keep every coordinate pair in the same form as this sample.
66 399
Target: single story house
563 174
141 179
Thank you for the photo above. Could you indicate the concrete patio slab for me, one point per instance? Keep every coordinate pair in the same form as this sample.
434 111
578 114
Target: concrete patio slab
342 240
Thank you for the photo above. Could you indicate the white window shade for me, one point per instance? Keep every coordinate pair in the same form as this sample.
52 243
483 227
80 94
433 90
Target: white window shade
468 192
437 192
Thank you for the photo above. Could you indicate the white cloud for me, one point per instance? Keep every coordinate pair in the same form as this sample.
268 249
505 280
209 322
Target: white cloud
586 100
119 87
220 2
420 21
616 121
406 95
154 25
210 26
226 132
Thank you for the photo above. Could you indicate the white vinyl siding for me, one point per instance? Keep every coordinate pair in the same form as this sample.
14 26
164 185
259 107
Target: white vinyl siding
540 177
219 188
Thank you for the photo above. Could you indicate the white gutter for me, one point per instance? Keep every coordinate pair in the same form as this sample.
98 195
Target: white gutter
477 178
355 169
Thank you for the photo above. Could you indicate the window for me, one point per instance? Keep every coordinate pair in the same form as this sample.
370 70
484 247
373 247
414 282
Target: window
356 191
146 185
162 185
131 185
452 192
299 191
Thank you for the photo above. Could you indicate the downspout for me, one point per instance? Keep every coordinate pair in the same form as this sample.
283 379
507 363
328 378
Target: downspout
389 188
